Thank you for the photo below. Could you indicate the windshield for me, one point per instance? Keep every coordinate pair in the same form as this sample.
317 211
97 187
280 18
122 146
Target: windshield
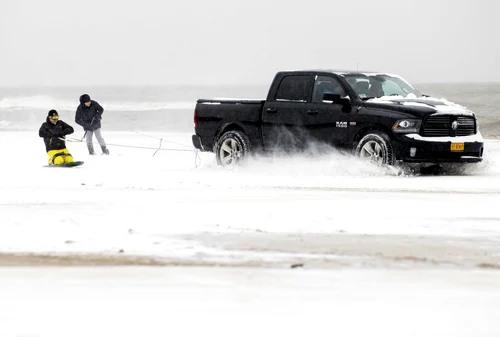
377 85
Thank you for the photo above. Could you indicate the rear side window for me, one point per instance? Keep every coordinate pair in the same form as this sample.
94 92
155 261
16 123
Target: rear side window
293 88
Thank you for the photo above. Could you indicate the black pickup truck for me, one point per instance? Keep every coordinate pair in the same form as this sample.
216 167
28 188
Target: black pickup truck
372 115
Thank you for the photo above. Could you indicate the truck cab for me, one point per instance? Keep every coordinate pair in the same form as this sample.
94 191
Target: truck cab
296 111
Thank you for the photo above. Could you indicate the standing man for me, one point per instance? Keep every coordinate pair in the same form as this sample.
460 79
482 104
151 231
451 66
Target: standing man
53 132
88 115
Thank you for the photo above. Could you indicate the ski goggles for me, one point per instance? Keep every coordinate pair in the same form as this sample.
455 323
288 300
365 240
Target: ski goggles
55 117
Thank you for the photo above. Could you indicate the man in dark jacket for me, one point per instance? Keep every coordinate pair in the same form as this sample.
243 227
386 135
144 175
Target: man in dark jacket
89 115
53 132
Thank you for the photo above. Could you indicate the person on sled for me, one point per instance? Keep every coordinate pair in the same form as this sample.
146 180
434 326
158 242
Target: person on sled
53 131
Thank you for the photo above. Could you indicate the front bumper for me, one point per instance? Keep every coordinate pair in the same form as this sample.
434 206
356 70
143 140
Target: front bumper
414 148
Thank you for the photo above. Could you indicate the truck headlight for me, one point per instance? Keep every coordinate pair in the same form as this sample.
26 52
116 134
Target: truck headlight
407 126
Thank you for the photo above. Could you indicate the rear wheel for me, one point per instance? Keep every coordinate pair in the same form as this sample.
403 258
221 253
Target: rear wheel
231 148
376 146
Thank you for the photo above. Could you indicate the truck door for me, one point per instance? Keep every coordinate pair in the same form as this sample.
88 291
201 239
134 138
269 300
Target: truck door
282 115
325 121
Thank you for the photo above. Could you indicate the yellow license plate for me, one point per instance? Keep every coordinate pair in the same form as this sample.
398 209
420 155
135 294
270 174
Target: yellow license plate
457 147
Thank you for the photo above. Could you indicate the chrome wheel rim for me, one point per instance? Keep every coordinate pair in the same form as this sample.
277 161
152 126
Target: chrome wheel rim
230 152
372 151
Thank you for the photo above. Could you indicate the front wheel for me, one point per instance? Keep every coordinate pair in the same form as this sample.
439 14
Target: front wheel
231 148
376 146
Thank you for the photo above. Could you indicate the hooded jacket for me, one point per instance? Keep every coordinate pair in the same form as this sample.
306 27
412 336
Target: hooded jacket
89 117
51 133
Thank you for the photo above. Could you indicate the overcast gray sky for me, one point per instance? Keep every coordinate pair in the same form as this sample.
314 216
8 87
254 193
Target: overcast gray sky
108 42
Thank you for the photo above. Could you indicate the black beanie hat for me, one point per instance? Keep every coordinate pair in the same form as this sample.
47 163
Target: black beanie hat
84 98
52 113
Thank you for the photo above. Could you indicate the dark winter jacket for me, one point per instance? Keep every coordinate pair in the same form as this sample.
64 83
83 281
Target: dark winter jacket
51 133
89 118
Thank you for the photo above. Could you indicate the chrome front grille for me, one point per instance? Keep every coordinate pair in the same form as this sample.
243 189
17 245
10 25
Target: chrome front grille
441 126
466 126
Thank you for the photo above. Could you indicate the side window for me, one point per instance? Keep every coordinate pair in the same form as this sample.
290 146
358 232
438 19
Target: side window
326 85
293 88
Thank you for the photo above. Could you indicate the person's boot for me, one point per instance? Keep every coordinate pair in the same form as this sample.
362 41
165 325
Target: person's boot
104 150
91 148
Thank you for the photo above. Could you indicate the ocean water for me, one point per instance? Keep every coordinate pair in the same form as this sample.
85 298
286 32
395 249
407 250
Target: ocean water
483 99
170 108
155 108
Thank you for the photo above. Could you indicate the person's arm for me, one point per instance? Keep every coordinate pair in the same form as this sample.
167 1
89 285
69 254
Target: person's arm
99 109
66 129
44 131
79 118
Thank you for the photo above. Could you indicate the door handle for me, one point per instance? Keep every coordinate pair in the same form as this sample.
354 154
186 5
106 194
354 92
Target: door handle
312 112
271 110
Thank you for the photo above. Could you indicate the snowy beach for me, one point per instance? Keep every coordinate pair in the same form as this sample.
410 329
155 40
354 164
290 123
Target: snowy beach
156 238
145 301
178 207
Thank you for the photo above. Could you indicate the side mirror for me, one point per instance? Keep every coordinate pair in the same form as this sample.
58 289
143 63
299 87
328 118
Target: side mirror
336 99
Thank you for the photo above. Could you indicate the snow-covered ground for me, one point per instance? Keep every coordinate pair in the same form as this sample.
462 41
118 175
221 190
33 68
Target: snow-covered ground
377 252
227 302
178 206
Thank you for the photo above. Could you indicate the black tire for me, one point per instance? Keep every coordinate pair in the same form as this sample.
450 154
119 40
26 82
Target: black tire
376 146
232 148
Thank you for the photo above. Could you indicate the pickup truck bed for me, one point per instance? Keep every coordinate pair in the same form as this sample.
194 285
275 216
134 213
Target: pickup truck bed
216 114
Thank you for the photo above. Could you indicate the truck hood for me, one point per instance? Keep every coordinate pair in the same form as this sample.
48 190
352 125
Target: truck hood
418 106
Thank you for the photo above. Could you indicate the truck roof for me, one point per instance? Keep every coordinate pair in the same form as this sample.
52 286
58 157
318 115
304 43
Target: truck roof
339 72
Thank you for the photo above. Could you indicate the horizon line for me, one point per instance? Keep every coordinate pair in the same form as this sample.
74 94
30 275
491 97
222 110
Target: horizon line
209 85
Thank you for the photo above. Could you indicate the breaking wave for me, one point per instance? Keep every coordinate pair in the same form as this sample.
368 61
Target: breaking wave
47 102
